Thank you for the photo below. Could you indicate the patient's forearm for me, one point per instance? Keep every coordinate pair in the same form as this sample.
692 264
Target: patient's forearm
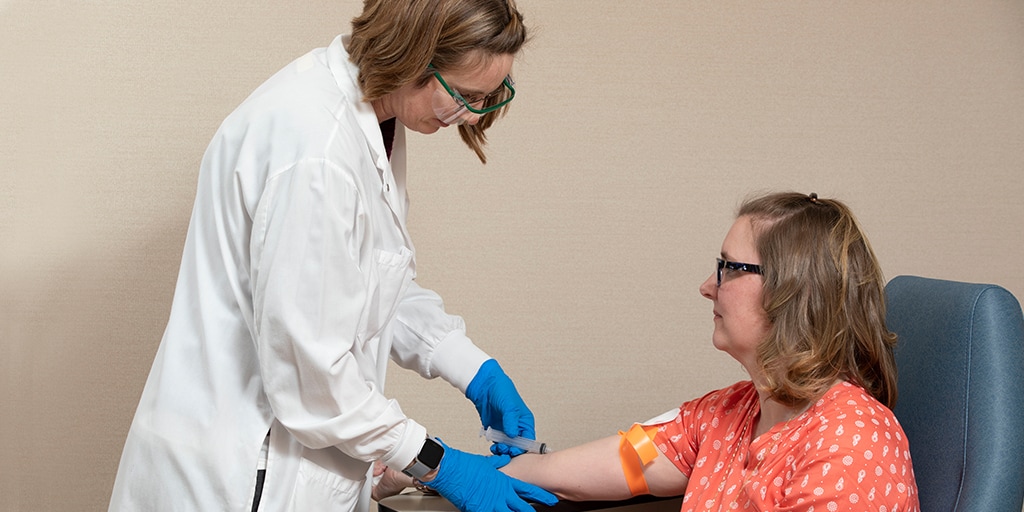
587 472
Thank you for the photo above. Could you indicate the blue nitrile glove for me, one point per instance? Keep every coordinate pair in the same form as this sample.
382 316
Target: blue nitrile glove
473 484
500 406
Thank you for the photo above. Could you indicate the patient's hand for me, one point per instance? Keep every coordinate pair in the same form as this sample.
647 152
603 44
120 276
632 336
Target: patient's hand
391 482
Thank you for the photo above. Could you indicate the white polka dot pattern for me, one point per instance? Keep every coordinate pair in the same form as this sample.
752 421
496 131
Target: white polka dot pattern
847 452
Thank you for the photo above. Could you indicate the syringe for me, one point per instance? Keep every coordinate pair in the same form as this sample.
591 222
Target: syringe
497 436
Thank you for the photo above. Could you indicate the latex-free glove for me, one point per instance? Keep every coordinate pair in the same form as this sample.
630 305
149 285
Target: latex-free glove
473 484
500 406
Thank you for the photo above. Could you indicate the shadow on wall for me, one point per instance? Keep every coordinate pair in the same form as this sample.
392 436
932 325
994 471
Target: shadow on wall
105 119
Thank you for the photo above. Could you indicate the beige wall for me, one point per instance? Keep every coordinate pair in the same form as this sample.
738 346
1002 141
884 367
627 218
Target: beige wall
574 255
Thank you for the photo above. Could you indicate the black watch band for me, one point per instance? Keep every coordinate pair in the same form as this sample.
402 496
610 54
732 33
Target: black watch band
427 460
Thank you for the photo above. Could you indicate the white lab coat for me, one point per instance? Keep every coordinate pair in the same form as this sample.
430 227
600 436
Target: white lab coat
296 285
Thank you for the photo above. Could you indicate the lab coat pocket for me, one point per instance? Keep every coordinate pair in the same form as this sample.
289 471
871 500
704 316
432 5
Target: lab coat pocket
317 488
389 276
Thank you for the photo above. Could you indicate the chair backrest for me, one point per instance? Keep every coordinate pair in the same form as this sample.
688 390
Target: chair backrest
960 357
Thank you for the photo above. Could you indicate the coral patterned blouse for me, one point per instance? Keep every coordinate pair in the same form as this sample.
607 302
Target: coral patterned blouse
847 452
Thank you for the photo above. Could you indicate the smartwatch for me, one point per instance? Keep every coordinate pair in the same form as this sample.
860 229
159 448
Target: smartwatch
427 460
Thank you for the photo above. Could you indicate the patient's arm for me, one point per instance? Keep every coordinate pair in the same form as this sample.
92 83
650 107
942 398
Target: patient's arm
589 472
593 471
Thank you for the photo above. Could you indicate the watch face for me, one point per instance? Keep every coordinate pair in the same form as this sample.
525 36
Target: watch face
431 453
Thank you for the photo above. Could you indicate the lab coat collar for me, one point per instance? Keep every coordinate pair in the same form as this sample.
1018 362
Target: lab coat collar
392 173
347 75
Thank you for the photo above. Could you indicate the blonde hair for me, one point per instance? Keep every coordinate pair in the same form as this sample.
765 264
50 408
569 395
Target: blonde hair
394 41
824 295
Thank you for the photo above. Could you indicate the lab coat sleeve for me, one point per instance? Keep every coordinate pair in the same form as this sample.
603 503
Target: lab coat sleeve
309 297
433 342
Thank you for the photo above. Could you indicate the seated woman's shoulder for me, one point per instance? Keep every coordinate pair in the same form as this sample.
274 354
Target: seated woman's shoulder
852 419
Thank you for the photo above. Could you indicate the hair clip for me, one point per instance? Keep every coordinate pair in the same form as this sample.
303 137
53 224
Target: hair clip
813 197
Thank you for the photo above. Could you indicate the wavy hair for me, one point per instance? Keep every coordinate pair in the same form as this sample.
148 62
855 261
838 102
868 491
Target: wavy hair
824 294
394 41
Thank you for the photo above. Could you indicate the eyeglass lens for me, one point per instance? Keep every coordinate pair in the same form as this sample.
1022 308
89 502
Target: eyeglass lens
733 265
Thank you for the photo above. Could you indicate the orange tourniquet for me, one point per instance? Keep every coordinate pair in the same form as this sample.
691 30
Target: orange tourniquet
636 450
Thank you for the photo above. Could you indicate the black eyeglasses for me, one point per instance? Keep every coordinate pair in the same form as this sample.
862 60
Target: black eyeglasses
732 265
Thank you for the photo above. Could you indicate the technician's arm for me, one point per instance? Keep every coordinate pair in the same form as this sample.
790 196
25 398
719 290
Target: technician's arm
434 343
309 309
593 471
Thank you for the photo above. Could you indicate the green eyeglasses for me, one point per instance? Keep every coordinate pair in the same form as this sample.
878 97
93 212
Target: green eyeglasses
468 101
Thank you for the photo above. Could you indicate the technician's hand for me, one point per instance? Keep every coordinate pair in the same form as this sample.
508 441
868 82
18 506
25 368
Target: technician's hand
500 406
473 484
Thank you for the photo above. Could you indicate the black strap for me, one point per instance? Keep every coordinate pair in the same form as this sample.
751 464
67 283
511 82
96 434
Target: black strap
261 475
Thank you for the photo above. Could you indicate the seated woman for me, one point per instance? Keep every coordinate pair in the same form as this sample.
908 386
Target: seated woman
799 301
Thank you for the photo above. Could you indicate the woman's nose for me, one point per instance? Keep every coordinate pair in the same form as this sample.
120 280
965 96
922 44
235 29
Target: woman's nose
709 288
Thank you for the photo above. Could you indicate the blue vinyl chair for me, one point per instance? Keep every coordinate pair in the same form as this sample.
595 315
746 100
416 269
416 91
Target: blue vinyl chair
960 357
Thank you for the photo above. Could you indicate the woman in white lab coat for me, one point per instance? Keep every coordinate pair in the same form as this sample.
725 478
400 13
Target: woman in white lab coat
297 284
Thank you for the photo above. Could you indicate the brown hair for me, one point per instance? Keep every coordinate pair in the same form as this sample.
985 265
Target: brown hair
394 41
824 294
